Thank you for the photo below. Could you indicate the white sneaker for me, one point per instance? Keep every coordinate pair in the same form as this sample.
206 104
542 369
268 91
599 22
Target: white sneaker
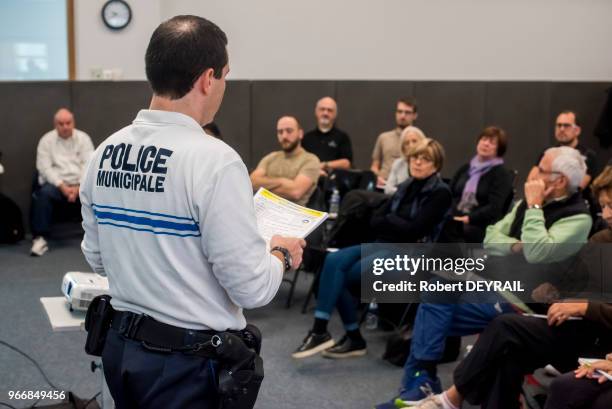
39 246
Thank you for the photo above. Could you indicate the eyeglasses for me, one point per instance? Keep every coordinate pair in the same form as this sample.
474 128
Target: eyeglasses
401 111
565 126
421 157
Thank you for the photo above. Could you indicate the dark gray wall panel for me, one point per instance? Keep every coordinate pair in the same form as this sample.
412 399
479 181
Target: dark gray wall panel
26 112
367 108
272 99
452 113
234 117
587 99
522 110
103 107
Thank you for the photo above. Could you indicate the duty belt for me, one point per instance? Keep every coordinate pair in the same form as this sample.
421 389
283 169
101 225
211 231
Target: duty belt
160 337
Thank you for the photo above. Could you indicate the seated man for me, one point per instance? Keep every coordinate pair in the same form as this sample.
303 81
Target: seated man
388 144
553 212
512 345
567 133
61 157
331 145
291 172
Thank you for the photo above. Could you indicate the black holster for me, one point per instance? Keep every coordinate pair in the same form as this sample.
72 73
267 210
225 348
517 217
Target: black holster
97 324
241 368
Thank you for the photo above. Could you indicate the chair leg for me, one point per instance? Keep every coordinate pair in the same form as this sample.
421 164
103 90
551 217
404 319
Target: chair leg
311 290
292 288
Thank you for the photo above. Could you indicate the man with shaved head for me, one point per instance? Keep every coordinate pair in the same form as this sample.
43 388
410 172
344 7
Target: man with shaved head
331 145
292 172
61 157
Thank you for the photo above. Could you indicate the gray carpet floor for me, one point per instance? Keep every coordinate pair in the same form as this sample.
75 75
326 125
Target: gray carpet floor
310 383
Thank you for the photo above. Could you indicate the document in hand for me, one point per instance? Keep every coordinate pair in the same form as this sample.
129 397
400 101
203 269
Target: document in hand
276 215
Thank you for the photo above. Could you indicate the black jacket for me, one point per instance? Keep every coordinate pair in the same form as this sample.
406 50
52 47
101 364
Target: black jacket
493 194
422 208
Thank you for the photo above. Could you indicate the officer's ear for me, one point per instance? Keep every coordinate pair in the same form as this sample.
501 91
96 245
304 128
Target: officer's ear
205 81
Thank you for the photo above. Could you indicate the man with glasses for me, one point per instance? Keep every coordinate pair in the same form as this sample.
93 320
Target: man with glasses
531 244
387 148
567 133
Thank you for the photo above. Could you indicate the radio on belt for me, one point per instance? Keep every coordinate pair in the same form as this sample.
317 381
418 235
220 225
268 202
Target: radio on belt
80 288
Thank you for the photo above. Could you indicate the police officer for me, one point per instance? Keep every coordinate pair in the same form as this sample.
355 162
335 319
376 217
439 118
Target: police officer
168 216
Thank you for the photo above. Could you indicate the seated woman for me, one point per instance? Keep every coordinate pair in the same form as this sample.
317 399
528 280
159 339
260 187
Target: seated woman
412 214
514 345
399 169
481 189
584 388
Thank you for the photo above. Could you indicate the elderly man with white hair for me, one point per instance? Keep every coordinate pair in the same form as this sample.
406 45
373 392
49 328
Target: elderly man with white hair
536 237
61 157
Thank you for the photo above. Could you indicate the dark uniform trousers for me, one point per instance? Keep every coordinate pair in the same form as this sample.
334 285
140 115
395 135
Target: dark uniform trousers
512 346
140 378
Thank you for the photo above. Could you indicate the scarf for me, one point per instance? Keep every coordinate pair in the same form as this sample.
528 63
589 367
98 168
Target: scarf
477 169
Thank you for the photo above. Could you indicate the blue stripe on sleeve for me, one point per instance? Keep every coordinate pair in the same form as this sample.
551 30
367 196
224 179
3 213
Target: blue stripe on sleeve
151 230
143 212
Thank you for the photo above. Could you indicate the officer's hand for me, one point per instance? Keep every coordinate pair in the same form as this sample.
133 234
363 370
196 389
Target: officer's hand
294 245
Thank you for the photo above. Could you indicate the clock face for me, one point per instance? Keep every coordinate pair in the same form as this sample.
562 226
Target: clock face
116 14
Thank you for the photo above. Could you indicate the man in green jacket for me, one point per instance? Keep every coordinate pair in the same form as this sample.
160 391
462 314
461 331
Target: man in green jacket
549 226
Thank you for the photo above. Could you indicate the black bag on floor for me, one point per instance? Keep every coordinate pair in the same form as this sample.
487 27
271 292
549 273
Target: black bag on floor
11 221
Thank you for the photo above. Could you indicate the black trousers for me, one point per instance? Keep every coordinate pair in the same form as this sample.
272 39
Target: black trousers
140 378
567 392
513 346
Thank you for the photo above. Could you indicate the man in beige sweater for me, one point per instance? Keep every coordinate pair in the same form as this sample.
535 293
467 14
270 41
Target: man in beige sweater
61 157
292 172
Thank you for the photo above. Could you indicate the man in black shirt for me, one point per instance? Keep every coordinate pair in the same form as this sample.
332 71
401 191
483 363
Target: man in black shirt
331 145
567 132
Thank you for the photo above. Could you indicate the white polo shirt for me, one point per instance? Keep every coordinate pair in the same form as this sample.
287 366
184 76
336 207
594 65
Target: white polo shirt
168 215
63 160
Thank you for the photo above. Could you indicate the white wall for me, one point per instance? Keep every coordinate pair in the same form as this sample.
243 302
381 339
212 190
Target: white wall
102 48
563 40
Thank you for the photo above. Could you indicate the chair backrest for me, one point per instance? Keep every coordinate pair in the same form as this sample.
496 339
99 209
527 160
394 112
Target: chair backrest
512 195
317 200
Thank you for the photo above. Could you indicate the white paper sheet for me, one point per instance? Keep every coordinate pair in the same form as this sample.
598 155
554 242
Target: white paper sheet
276 215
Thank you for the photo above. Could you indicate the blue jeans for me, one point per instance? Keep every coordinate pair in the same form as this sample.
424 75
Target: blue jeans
341 271
44 200
435 322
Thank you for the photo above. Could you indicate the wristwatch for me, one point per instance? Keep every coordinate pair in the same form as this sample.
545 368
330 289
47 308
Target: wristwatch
535 206
286 256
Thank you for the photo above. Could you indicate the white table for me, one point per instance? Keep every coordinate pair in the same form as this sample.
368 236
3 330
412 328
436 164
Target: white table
62 318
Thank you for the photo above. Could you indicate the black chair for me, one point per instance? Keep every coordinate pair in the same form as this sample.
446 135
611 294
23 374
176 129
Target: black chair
512 195
316 202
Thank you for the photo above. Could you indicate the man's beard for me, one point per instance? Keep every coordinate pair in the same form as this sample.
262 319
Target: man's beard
288 148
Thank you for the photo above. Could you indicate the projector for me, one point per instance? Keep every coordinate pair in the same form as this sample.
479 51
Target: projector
80 288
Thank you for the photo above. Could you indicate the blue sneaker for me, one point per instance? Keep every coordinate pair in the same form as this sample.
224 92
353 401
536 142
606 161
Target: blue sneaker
420 386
